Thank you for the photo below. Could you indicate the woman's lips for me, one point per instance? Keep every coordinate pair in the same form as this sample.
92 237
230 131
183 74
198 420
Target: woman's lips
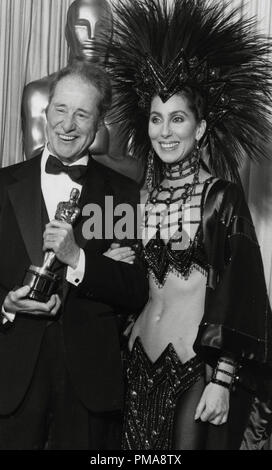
169 145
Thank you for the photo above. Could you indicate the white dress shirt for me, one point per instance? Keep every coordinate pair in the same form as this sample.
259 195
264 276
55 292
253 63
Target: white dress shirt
57 188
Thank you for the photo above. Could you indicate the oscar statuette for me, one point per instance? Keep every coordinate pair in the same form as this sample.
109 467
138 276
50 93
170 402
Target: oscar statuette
42 281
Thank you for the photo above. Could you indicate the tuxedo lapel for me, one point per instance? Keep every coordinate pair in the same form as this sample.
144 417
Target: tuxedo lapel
26 198
95 189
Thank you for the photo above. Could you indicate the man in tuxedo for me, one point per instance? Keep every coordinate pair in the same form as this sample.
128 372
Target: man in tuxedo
60 370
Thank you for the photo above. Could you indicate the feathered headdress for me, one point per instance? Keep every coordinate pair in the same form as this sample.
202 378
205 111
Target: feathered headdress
158 49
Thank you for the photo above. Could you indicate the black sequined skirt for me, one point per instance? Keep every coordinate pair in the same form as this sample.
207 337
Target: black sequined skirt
153 390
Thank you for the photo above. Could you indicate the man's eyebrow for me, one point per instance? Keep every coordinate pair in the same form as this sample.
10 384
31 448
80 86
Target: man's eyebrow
82 110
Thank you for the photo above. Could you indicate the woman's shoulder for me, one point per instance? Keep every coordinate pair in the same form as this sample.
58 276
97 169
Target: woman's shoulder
222 196
224 188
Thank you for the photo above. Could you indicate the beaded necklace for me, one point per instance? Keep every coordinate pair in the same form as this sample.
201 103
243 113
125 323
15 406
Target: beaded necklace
179 194
183 168
179 254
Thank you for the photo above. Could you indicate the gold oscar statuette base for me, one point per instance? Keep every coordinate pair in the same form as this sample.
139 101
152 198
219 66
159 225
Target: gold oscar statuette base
42 282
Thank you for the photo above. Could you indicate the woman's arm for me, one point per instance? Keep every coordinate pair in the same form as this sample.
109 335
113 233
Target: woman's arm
214 403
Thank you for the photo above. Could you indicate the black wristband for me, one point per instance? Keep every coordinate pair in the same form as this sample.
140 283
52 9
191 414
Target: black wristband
226 372
230 362
227 385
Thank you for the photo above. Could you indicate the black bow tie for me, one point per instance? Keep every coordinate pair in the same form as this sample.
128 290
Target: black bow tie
76 172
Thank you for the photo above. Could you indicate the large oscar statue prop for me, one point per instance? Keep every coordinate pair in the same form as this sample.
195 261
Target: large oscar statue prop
42 281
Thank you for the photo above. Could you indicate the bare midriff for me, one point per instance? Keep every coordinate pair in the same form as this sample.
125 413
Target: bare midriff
172 315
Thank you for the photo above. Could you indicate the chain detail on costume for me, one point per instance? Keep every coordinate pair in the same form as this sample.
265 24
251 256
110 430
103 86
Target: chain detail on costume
154 389
180 253
187 166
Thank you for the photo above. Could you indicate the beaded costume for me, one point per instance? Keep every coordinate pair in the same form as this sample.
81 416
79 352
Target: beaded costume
179 254
154 390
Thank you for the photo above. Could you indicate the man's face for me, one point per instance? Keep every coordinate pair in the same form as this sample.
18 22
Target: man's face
72 118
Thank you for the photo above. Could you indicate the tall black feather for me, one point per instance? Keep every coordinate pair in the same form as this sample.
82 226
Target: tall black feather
158 49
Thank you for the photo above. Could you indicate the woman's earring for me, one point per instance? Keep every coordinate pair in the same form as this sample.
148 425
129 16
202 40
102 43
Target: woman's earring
197 151
149 177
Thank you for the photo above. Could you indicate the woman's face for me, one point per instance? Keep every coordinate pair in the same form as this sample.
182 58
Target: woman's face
173 128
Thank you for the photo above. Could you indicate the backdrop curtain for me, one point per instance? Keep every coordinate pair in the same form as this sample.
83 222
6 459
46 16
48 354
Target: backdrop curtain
257 179
32 45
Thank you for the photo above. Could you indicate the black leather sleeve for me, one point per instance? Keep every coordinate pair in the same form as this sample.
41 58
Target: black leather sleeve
237 317
115 283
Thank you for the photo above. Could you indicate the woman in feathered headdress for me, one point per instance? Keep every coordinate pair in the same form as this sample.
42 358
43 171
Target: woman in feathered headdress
192 77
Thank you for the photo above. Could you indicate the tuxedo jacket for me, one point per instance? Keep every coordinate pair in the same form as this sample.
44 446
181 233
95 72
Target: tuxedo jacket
89 312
